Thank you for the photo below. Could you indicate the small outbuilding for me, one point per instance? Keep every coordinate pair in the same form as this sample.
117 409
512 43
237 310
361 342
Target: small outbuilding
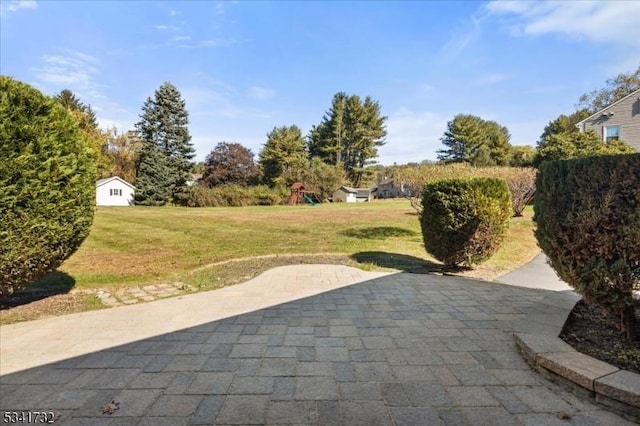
347 194
114 191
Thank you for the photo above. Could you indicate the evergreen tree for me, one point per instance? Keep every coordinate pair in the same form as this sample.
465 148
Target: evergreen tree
154 178
283 158
88 125
163 124
471 139
349 134
47 185
564 124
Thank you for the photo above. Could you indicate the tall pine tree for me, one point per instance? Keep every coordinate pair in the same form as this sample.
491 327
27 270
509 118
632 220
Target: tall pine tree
283 158
88 124
154 179
472 140
163 126
349 134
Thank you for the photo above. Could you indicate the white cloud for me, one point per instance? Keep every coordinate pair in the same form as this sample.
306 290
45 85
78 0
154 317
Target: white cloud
78 72
424 88
217 99
491 79
14 6
173 12
412 136
220 8
462 38
214 42
181 38
597 21
73 70
260 93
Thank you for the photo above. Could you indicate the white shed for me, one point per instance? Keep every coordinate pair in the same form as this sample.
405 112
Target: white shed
114 191
345 194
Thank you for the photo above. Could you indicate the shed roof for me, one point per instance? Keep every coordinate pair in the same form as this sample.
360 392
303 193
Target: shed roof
101 182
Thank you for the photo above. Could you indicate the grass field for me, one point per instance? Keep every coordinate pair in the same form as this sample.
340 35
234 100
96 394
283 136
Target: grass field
137 245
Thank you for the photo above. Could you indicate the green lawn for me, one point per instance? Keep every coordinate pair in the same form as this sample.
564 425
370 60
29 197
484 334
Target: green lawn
135 245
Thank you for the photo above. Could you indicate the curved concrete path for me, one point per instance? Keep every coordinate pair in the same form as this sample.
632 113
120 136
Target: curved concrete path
389 349
535 274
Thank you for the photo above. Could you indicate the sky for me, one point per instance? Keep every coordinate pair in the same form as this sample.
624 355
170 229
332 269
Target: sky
245 67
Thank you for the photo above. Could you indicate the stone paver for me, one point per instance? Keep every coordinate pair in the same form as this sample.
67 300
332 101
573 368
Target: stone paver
398 349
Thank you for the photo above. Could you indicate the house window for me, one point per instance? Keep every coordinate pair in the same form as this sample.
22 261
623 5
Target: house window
611 133
115 192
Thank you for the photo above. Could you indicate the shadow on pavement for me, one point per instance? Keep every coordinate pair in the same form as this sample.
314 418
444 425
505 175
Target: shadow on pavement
403 262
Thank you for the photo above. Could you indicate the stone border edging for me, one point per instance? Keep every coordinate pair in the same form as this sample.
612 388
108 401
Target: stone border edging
537 339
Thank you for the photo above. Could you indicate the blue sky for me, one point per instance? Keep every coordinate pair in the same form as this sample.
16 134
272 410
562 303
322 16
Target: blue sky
246 67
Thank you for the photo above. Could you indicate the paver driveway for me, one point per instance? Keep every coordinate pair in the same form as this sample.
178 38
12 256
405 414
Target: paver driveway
401 349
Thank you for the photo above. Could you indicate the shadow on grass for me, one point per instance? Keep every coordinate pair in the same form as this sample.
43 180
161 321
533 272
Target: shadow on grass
404 262
52 284
378 232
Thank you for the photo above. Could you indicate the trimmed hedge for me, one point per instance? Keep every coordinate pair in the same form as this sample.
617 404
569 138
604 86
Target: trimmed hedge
587 212
464 221
47 185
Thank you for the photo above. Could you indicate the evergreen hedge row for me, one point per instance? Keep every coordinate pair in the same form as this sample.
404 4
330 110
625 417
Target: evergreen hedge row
47 185
587 212
464 221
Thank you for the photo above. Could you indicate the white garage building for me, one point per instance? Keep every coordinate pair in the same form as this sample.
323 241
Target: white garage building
114 191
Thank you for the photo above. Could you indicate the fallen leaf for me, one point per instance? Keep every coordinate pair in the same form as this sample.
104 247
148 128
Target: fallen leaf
110 407
563 416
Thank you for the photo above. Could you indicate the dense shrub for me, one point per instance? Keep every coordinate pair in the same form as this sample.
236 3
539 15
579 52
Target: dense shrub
464 221
47 185
520 180
587 212
235 196
567 145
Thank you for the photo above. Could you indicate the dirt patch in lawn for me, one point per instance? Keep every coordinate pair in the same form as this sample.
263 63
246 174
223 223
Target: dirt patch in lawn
593 332
41 304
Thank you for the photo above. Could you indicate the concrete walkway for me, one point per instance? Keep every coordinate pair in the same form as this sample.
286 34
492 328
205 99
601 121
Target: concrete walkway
297 345
76 334
535 274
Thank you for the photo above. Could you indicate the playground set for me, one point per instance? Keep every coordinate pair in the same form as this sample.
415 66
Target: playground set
300 196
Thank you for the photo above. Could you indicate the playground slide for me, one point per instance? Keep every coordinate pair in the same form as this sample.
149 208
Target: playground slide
309 200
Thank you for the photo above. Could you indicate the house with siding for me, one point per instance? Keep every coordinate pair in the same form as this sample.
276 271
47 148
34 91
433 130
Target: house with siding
392 188
618 121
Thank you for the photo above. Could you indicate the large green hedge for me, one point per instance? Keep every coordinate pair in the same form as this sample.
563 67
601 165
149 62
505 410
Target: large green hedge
47 185
587 212
464 221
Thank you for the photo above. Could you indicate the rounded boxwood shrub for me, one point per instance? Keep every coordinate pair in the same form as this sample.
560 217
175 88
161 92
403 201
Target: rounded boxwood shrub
464 221
587 212
47 185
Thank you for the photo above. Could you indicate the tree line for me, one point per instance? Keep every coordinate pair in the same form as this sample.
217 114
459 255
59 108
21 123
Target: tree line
157 156
471 139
